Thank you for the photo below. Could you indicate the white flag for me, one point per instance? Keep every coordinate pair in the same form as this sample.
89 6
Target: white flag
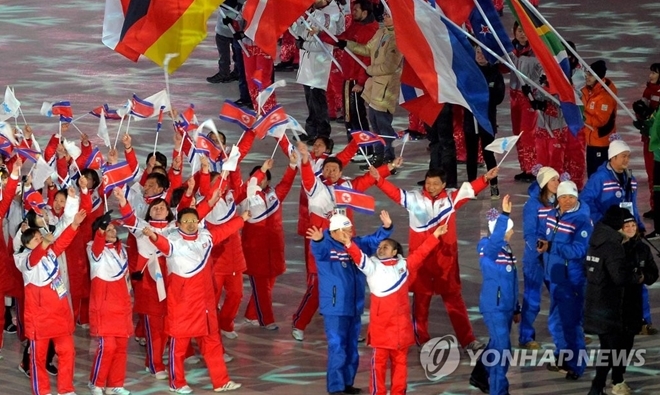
72 149
263 96
46 109
157 274
7 131
103 130
295 126
466 192
11 105
232 161
125 109
159 99
503 144
42 171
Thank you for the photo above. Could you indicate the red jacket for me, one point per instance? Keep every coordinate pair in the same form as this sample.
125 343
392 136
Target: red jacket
110 310
652 95
46 314
11 281
263 234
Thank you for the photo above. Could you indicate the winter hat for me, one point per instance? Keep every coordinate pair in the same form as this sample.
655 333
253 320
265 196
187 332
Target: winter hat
614 217
567 188
546 174
339 221
600 68
628 217
492 216
617 147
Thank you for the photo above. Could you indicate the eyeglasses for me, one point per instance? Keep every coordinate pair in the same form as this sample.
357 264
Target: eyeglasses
190 221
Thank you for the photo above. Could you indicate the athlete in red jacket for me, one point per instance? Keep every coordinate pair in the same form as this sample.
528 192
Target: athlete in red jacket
7 266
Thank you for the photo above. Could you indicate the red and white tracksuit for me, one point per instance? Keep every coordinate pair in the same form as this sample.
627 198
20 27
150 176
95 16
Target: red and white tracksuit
48 315
390 326
310 302
321 206
263 246
7 267
523 116
439 274
110 315
191 303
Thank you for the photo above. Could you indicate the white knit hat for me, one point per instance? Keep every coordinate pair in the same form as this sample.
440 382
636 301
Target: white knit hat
491 225
617 147
567 188
546 174
339 221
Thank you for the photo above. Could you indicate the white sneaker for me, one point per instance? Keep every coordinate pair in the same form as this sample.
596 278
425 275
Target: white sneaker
227 358
621 389
193 359
95 390
183 390
475 345
143 342
252 322
229 335
117 390
272 327
162 375
230 386
298 334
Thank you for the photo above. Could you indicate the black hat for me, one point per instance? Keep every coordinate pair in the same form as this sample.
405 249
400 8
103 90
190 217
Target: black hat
614 217
628 217
599 67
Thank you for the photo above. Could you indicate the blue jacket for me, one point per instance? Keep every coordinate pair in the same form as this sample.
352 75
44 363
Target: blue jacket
604 190
533 226
341 284
499 289
568 235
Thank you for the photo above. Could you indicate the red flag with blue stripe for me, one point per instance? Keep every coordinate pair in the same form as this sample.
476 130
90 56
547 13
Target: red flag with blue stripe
207 147
95 160
34 199
346 197
274 118
6 147
365 138
28 154
117 175
230 112
64 110
141 108
108 113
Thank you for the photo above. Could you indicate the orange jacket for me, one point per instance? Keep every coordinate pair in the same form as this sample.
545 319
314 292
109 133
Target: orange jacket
599 114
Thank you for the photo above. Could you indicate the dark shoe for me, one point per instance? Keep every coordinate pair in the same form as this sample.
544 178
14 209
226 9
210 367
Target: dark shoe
52 369
648 214
494 192
352 390
340 119
244 103
283 66
11 328
23 370
557 368
332 119
375 161
529 177
520 177
232 77
217 78
572 376
310 141
483 387
303 137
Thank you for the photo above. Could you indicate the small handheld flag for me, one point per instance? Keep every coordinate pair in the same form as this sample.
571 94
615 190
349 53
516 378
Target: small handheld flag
346 197
365 138
230 112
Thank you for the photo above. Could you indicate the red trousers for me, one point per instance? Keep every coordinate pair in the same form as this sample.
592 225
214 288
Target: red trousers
80 309
139 327
459 135
154 327
334 94
523 119
109 367
399 377
260 306
212 351
309 304
551 149
263 63
648 166
66 357
456 310
575 158
233 286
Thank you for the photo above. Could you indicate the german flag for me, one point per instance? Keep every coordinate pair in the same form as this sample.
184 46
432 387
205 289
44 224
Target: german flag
123 17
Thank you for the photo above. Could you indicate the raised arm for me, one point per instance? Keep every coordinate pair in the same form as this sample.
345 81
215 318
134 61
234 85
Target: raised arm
284 187
416 258
362 261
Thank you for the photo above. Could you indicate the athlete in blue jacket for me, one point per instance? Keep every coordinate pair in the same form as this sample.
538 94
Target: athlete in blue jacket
542 194
498 301
341 296
568 228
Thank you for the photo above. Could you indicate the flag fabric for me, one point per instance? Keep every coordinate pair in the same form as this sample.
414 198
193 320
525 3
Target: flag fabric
414 99
274 118
187 144
207 147
106 111
6 147
232 159
159 124
61 108
230 112
41 172
441 57
102 131
8 132
10 105
159 99
72 149
258 78
346 197
123 17
117 175
456 10
365 138
263 96
141 108
34 200
295 126
267 20
551 53
95 160
28 154
188 119
278 131
502 144
483 33
168 26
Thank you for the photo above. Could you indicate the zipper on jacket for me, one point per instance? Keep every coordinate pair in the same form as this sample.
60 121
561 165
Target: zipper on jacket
566 267
334 294
499 294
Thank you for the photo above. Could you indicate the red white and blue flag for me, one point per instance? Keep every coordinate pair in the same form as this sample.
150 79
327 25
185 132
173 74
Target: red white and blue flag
441 57
187 145
230 112
61 108
484 34
273 119
141 108
365 138
107 112
188 119
34 199
95 160
28 154
117 175
6 147
207 147
346 197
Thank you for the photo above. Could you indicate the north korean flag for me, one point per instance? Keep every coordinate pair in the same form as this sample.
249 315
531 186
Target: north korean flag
366 138
346 197
274 118
206 146
95 160
141 108
117 175
230 112
64 110
28 154
34 200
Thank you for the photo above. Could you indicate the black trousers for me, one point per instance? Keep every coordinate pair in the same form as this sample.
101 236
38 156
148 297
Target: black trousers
239 68
224 53
318 121
472 138
618 342
443 146
596 156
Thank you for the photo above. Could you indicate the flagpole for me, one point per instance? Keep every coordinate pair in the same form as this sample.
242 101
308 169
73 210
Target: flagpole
365 156
22 116
404 144
128 124
119 131
79 118
332 36
59 131
74 125
493 31
233 31
318 40
166 63
507 152
276 145
579 58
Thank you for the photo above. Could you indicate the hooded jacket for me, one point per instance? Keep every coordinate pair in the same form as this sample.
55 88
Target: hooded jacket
599 113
